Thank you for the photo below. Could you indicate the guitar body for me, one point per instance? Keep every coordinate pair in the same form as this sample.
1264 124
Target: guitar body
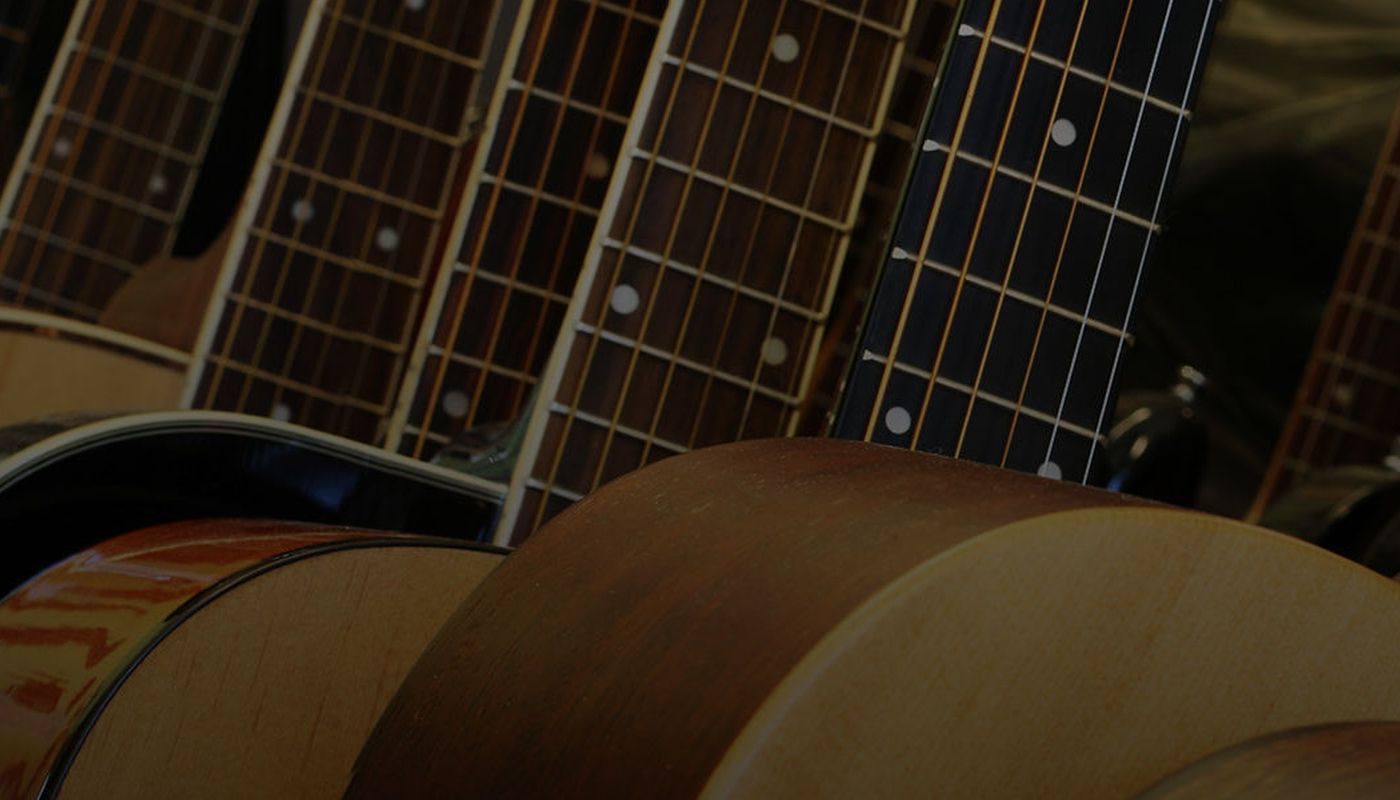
52 365
66 484
216 659
819 618
1353 511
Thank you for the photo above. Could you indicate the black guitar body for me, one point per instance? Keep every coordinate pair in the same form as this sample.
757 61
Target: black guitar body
66 484
1353 511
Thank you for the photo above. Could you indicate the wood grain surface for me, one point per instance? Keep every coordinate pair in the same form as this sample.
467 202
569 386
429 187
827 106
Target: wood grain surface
821 618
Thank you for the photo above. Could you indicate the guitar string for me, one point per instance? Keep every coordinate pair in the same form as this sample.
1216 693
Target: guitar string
954 147
429 259
813 330
926 402
1103 249
1063 246
716 217
251 263
47 146
674 228
1356 309
537 332
1156 208
1015 253
570 338
282 382
458 314
1348 324
189 82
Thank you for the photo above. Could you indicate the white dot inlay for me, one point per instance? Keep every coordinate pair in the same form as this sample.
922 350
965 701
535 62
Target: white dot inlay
1049 470
282 412
1344 395
387 239
454 404
303 211
775 351
157 184
1063 132
785 47
898 421
966 30
62 147
625 299
415 5
598 166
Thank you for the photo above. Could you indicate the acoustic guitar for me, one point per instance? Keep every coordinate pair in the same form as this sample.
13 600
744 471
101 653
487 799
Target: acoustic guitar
216 659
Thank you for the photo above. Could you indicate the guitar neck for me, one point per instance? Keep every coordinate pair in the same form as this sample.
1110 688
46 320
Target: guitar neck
105 172
1006 299
524 232
710 276
1347 410
342 228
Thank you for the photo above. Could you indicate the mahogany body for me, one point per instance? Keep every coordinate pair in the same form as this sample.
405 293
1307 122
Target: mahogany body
216 658
807 617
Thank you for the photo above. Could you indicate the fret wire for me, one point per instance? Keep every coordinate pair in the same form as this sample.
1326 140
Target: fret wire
283 382
628 13
1028 299
538 193
649 165
676 359
106 195
1379 312
576 208
482 364
568 102
857 17
51 239
44 296
1347 425
614 426
1368 371
796 309
155 75
1074 207
1156 208
348 186
1134 94
1370 306
549 488
399 37
1103 252
982 394
1381 240
399 123
728 186
927 239
306 321
865 131
1034 182
840 226
127 137
505 280
217 23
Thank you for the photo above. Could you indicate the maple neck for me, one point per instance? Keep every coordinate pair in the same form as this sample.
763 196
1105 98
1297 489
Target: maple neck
1347 409
103 178
525 229
1007 295
709 279
321 291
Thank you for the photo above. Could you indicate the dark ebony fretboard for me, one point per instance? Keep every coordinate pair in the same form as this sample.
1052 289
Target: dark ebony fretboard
1002 314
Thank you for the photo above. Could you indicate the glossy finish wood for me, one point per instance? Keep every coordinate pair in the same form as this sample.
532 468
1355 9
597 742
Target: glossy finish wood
803 617
90 645
1355 761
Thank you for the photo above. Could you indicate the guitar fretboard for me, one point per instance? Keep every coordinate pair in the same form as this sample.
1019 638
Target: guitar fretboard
1347 410
526 232
103 179
709 280
322 289
1004 307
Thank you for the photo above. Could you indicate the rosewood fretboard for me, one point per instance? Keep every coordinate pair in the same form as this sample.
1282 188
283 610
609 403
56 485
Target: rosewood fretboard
1003 312
104 176
342 228
1347 410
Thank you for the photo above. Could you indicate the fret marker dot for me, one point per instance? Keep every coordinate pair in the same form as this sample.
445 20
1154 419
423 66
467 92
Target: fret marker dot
454 404
415 5
775 351
387 239
1344 395
898 421
930 145
62 147
282 412
1063 132
785 47
598 166
157 184
303 211
966 30
1049 470
900 253
625 299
